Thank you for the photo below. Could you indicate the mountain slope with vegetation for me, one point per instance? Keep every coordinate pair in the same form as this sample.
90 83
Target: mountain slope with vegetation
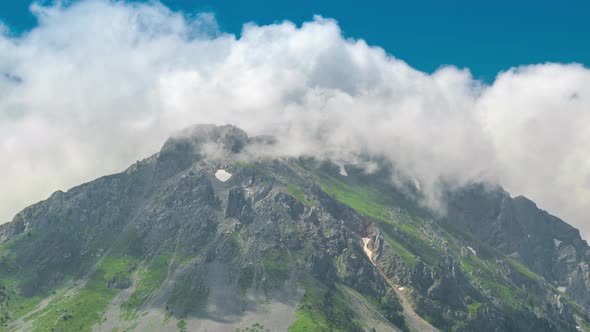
284 244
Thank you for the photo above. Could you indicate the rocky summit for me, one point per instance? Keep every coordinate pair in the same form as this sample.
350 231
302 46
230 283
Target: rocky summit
204 236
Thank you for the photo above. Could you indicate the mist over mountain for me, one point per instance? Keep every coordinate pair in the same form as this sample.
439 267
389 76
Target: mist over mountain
98 84
211 234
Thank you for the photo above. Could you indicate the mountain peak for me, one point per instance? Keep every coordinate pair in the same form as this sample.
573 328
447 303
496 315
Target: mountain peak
228 137
195 142
168 244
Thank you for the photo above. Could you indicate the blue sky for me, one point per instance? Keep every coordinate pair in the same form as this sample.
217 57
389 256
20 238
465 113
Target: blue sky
484 36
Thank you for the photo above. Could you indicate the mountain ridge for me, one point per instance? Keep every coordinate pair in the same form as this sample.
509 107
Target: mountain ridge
165 245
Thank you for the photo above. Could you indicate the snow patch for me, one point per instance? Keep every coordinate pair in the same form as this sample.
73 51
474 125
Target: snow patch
400 288
562 289
342 170
472 250
222 175
556 242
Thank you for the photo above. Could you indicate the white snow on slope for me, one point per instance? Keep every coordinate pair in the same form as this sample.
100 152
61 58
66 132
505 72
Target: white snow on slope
222 175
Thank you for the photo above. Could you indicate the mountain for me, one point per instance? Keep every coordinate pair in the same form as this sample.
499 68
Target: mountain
202 236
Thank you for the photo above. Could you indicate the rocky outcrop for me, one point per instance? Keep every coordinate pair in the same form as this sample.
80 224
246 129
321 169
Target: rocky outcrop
579 284
238 206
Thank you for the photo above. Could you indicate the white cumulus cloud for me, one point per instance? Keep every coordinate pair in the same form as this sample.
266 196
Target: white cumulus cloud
99 84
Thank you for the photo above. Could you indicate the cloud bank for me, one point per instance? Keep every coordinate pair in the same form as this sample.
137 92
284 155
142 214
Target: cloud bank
99 84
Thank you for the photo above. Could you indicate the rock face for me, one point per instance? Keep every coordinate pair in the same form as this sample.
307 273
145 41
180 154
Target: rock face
238 206
165 245
516 227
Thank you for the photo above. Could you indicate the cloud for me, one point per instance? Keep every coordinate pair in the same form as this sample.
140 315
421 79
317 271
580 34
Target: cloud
538 119
99 84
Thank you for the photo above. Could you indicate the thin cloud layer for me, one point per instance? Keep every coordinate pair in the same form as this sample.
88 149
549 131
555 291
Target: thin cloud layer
100 84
